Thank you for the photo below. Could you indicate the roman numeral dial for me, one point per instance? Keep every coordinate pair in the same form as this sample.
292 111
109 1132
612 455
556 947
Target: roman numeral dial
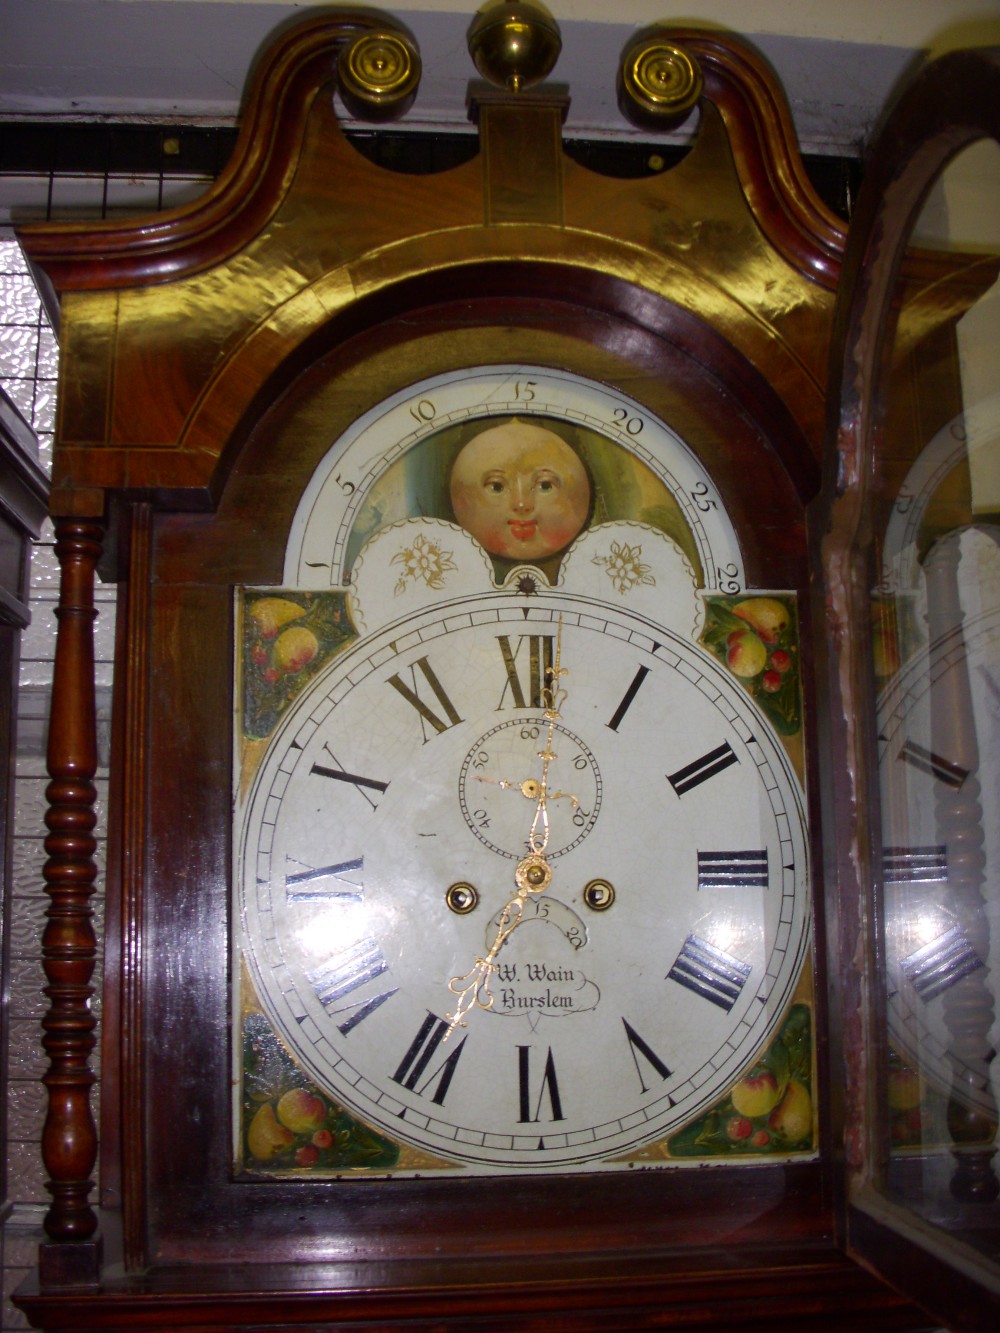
634 992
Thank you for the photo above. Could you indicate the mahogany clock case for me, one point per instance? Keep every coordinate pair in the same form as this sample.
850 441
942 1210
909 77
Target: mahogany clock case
189 436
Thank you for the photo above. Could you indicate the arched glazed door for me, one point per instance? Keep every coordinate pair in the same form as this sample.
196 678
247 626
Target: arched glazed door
911 560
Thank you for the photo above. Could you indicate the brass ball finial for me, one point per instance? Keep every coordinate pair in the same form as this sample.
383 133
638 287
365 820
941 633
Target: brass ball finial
658 83
379 74
514 43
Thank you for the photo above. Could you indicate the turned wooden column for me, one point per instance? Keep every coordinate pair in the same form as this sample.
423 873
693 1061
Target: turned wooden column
69 946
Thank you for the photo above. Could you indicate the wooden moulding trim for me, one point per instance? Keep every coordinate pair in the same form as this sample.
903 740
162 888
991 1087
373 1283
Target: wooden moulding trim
91 256
133 720
807 234
234 394
611 1292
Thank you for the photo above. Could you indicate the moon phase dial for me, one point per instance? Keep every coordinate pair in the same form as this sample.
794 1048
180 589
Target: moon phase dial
499 782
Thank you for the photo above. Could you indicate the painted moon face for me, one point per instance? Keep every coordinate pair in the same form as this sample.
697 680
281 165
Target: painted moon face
520 490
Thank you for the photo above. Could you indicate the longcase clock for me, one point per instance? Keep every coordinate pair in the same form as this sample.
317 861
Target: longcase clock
465 947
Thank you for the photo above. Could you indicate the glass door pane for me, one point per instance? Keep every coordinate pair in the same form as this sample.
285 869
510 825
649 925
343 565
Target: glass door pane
911 560
935 610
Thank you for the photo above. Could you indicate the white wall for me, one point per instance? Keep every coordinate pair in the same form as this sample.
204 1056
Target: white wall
188 58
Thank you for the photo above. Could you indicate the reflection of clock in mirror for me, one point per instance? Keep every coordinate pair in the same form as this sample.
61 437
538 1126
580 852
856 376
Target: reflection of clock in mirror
937 651
381 819
939 735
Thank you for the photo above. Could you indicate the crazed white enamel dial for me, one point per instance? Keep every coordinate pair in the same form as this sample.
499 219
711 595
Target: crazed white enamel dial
610 1028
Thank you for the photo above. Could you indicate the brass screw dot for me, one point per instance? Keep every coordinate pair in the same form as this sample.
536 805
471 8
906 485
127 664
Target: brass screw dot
462 898
599 894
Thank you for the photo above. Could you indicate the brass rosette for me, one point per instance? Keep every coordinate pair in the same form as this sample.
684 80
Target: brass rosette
658 83
379 73
533 874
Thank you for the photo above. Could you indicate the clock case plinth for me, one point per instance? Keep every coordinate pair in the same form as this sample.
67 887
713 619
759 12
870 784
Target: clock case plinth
210 356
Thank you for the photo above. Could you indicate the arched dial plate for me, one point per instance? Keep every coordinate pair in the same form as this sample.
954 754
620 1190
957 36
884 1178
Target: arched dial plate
382 469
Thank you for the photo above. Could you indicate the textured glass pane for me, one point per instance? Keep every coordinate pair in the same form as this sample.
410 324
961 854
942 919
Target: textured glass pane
24 1052
48 354
20 303
25 1107
44 569
18 350
45 453
38 640
26 923
44 414
25 1178
11 258
29 808
104 633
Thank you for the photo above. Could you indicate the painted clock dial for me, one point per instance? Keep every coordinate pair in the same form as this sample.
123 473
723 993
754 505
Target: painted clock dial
610 1026
391 723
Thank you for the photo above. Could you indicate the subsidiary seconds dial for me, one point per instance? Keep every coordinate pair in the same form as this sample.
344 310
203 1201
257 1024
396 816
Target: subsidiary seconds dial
619 1014
492 774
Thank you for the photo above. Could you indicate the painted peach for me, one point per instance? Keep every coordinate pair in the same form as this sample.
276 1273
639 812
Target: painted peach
301 1111
745 654
756 1095
295 649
